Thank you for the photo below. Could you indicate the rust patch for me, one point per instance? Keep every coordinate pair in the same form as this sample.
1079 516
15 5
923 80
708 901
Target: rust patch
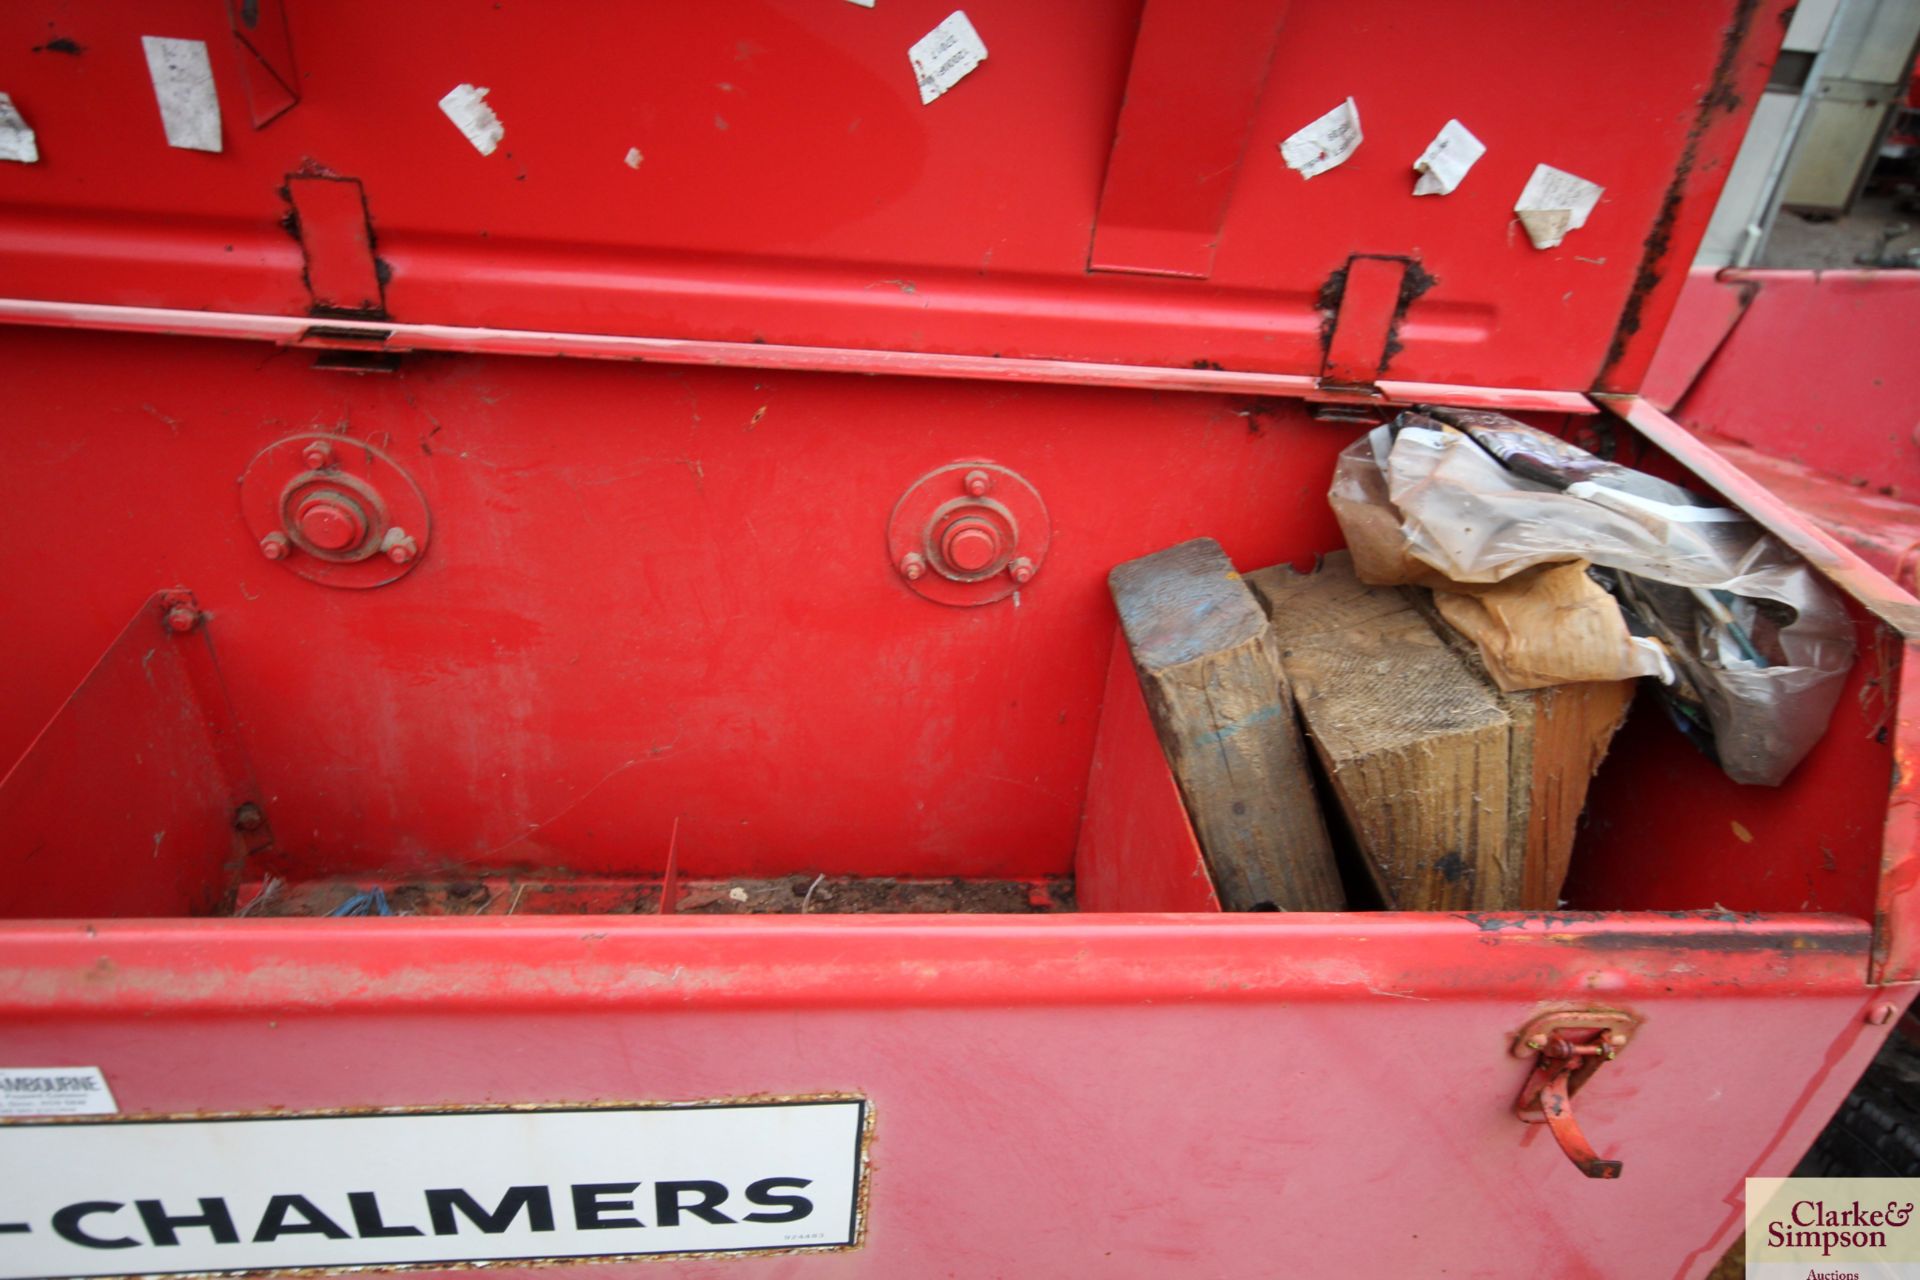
1729 942
1416 281
1488 922
1719 97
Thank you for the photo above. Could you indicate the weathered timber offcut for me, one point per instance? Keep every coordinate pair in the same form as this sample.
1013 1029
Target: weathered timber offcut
1210 669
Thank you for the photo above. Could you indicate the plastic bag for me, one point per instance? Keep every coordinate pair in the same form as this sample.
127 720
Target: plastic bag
1761 646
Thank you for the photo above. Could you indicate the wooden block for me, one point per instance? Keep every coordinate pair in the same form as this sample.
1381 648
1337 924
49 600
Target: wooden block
1211 675
1573 725
1560 736
1554 740
1416 746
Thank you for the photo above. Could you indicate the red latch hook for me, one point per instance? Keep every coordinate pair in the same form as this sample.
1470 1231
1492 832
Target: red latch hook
1567 1049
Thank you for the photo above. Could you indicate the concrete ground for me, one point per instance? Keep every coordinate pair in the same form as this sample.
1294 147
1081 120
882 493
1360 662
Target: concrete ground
1836 243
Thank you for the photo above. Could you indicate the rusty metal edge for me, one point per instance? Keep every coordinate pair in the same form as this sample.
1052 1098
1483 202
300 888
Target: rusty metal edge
387 337
862 1196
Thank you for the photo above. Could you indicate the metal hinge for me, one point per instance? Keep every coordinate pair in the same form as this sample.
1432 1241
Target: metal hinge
1567 1048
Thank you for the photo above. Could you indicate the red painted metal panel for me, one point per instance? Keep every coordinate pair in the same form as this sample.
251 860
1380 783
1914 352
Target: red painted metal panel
1897 896
1820 371
263 52
125 803
1057 1097
794 190
756 355
1670 827
1716 123
1884 531
1136 851
1706 313
1192 89
652 593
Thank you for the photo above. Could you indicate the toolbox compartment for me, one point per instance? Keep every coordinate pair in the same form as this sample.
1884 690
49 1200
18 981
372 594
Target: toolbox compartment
652 633
1046 785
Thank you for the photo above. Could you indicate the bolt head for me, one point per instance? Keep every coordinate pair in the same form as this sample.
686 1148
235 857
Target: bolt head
332 521
399 545
275 546
977 483
181 618
318 454
1021 570
1881 1015
912 566
248 817
971 547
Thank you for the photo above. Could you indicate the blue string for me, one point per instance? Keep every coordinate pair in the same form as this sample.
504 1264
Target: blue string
371 903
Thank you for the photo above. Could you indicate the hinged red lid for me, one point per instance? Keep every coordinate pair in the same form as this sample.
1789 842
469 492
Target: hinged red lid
1108 185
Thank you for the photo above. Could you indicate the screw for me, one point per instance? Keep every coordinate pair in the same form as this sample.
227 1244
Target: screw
248 817
181 618
912 565
978 482
318 455
399 547
275 546
1022 570
1881 1016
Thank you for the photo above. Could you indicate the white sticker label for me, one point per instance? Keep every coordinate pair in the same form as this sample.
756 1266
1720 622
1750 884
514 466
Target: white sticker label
1325 143
864 4
945 55
467 107
16 137
1554 203
55 1091
1446 160
183 86
134 1197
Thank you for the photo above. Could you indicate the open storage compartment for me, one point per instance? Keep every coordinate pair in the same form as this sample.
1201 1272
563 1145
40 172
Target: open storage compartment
161 742
323 577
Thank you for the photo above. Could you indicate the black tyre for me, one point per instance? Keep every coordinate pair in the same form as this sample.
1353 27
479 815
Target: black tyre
1876 1132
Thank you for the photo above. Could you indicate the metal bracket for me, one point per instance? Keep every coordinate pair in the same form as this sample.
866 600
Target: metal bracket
1365 302
335 230
1192 93
265 53
1567 1048
969 533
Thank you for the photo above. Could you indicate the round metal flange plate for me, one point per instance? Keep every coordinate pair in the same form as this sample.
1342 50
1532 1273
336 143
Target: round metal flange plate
334 510
969 533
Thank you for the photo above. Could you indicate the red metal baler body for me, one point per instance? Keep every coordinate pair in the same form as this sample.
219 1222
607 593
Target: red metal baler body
657 607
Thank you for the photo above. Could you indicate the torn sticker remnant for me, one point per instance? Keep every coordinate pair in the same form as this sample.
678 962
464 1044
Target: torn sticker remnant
17 142
634 157
1446 160
1325 143
183 87
946 55
1554 203
864 4
467 107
